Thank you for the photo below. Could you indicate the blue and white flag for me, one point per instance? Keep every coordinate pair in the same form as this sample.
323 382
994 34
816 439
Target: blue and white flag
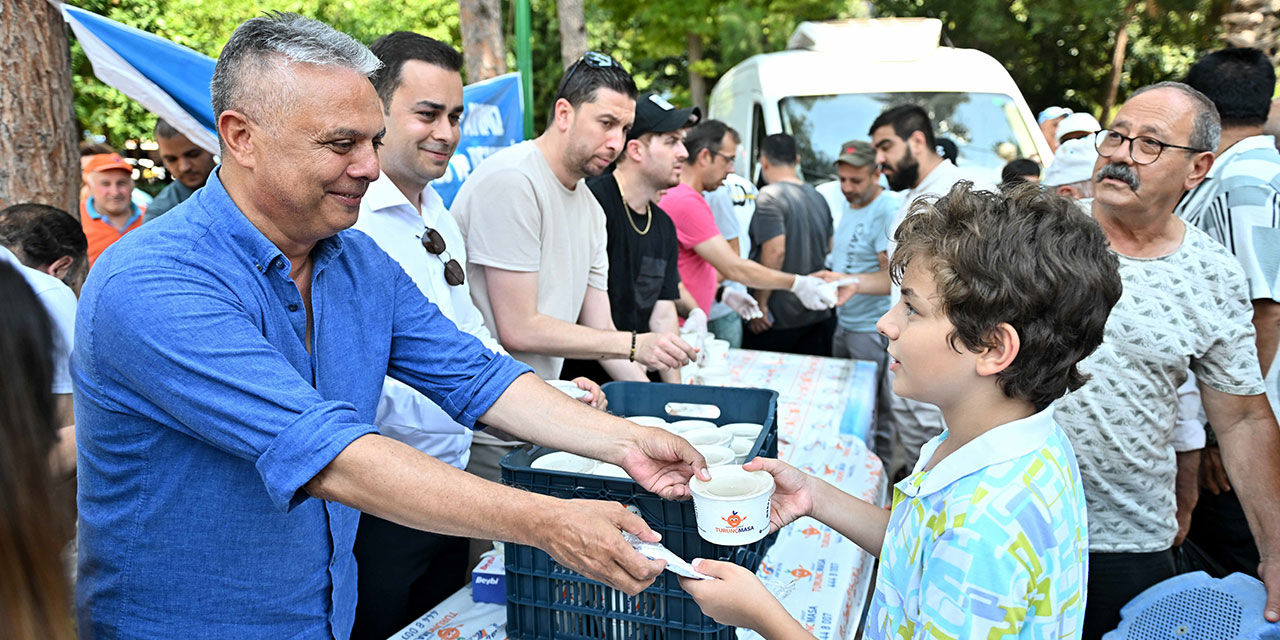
492 119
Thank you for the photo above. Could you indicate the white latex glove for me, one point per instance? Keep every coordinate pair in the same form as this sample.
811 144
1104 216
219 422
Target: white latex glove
696 322
812 294
740 301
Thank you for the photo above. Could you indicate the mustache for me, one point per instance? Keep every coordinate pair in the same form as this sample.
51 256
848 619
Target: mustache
1121 172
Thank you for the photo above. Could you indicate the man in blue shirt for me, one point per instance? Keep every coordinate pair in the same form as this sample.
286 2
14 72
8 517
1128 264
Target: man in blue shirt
229 369
860 245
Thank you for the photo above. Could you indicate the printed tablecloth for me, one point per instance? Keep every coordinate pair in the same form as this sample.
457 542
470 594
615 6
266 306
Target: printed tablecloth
825 406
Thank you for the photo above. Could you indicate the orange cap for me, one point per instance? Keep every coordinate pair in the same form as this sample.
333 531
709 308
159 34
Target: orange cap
106 162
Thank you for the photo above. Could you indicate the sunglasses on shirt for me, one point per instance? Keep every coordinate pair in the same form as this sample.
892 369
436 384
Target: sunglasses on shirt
433 242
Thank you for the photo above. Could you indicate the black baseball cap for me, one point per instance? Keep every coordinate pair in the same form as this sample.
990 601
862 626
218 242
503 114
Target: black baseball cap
655 115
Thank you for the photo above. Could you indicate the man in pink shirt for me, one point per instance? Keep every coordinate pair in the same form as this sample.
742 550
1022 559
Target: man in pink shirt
705 257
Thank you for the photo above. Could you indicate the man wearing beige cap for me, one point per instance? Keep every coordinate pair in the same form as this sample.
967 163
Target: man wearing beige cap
109 212
859 245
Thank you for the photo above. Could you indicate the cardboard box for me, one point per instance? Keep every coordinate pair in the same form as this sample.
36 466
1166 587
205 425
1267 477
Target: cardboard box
488 580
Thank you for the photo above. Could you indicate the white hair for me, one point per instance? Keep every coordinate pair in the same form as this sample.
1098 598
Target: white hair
254 71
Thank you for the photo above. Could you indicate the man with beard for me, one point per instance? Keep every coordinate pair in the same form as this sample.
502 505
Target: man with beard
537 250
705 256
907 154
1185 305
860 244
188 164
643 278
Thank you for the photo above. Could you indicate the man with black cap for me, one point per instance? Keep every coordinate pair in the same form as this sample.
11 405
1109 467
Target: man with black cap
643 279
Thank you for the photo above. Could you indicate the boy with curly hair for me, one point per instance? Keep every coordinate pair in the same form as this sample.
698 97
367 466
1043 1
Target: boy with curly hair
1003 294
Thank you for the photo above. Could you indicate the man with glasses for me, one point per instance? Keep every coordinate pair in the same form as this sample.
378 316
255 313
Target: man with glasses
404 571
705 256
1185 306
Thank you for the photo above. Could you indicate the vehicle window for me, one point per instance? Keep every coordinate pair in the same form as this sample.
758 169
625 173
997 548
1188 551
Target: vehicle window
986 127
757 138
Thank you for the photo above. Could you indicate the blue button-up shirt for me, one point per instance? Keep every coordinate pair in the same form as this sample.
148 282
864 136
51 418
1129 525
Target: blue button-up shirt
201 415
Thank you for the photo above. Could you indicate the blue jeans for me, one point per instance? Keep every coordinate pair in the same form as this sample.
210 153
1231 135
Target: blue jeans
727 328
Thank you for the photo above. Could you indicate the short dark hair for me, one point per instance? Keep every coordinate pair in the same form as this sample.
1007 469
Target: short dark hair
1239 81
582 80
42 234
708 134
1027 257
1012 173
399 47
906 119
165 130
780 149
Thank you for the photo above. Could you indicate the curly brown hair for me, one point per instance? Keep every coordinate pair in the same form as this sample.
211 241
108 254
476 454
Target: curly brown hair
1027 257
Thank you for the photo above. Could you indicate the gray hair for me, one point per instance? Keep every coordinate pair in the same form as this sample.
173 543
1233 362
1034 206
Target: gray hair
1206 127
247 77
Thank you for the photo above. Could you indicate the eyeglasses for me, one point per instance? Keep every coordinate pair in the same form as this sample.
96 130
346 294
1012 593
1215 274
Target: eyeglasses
593 59
1142 149
727 158
433 242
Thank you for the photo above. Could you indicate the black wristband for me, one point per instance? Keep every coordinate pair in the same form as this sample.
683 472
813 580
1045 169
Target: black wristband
720 293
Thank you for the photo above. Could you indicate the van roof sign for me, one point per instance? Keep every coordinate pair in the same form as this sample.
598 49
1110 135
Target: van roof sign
880 38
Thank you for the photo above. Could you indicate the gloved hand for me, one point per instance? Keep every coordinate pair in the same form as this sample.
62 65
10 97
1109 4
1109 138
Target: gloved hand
741 302
812 294
696 322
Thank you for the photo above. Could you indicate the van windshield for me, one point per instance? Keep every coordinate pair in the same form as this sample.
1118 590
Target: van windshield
986 127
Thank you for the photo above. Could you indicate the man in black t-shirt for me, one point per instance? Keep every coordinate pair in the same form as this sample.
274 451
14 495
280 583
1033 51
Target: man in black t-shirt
643 278
790 231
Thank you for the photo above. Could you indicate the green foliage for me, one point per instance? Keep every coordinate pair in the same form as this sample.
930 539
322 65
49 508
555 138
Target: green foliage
1060 52
205 26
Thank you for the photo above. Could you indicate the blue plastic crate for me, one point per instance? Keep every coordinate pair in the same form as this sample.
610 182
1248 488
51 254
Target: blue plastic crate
545 600
1195 606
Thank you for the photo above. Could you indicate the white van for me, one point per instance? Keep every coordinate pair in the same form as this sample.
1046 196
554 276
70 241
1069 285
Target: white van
836 77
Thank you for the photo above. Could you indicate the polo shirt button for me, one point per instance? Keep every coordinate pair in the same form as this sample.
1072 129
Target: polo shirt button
293 307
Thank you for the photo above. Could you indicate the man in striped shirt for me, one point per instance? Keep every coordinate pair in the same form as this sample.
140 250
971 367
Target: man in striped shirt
1238 204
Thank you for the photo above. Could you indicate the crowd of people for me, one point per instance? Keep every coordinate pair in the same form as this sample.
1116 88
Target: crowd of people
283 386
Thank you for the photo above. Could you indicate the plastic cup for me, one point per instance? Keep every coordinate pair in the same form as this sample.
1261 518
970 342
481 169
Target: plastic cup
711 436
681 426
744 429
610 471
565 461
714 376
741 448
718 352
568 388
733 507
716 455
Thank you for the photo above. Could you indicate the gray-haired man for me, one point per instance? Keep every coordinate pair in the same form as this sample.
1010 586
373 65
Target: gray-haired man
234 356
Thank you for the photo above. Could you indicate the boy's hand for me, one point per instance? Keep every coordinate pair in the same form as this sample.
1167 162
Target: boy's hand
736 597
793 495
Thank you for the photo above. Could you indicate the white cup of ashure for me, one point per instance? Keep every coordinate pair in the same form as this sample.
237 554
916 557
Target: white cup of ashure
741 448
681 426
565 461
715 455
649 421
570 389
744 429
732 508
717 352
717 375
709 436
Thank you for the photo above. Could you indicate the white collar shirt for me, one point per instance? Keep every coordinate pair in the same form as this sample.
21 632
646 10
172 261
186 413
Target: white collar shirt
388 217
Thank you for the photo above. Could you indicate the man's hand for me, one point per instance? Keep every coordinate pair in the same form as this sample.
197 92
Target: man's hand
696 322
1213 475
595 395
1187 492
742 303
762 323
584 535
663 351
812 294
842 293
663 462
792 495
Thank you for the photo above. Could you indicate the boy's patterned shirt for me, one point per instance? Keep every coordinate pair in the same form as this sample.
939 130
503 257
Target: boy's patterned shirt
990 543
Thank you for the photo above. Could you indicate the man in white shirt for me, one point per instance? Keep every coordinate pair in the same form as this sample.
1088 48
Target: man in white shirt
403 572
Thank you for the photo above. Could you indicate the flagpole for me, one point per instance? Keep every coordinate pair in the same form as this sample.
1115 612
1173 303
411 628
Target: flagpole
524 62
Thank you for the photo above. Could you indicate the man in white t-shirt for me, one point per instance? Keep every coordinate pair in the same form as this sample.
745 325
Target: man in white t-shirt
1185 306
537 248
49 249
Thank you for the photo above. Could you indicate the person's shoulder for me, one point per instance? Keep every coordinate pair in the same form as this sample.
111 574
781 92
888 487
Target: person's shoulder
662 220
1208 259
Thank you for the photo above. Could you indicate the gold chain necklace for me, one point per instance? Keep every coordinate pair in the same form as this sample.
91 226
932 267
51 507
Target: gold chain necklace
648 209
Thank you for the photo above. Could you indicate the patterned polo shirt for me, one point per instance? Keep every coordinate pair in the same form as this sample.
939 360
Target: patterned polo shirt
991 542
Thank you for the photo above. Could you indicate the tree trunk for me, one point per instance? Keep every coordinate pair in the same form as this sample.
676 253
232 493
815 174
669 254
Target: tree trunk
483 51
38 157
1117 61
697 83
573 31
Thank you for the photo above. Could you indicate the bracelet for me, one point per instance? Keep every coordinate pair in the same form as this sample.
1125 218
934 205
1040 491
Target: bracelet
632 357
720 294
